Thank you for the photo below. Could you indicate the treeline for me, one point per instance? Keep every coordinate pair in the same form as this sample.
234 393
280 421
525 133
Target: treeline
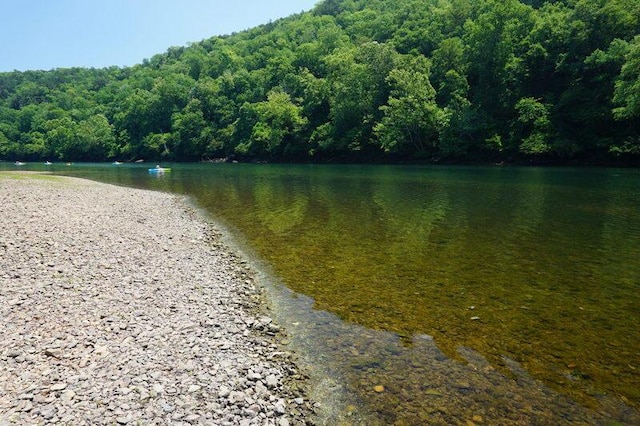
357 80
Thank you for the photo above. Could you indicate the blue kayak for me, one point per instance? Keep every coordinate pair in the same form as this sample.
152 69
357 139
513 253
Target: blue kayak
159 170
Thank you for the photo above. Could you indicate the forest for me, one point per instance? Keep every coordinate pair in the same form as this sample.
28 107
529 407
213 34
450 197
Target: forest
451 81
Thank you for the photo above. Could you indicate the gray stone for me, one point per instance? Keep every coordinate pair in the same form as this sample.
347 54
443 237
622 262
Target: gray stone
280 407
283 421
236 397
224 392
254 376
48 411
58 387
272 381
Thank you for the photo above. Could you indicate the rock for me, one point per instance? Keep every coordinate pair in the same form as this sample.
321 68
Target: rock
272 328
122 420
280 407
58 387
224 392
272 381
48 411
253 410
55 353
254 376
260 389
192 418
283 421
236 397
13 353
67 395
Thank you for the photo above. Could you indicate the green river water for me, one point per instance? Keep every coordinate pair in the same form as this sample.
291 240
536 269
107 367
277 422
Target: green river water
439 295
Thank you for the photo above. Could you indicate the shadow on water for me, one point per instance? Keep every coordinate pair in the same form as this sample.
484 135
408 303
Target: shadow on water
440 295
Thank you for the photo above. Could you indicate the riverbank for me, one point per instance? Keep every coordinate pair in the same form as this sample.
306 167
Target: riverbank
123 306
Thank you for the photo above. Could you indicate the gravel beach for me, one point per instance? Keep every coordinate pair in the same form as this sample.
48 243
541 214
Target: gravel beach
123 306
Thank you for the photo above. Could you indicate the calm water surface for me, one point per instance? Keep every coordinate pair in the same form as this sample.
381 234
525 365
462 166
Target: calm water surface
485 294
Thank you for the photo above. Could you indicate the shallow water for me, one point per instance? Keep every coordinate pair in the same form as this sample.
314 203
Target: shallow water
487 294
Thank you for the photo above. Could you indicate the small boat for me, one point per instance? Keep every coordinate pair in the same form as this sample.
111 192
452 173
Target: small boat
19 163
48 163
117 163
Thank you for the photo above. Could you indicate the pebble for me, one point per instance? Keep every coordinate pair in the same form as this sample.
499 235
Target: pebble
235 397
272 381
224 392
283 422
129 309
281 407
68 395
48 411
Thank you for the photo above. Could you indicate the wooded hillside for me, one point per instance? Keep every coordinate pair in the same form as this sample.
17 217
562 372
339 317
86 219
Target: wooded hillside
357 80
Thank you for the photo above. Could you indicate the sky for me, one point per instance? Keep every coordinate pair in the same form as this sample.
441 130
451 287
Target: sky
47 34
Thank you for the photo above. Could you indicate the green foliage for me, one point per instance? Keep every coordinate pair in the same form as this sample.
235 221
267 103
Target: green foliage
358 89
533 118
275 125
361 80
412 119
627 85
79 141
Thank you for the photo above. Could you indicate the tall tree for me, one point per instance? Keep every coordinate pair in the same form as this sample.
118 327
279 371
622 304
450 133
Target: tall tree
275 127
412 120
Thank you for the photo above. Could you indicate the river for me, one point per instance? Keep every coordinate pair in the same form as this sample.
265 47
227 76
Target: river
439 295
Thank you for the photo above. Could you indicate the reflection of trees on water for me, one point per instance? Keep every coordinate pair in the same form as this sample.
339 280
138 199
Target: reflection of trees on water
425 255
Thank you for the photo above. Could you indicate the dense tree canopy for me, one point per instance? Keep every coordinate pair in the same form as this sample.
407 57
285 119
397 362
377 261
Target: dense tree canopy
357 80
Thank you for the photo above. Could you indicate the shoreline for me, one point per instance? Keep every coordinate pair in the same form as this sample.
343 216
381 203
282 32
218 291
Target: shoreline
124 306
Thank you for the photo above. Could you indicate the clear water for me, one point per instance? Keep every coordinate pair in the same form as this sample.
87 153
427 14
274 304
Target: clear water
470 294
